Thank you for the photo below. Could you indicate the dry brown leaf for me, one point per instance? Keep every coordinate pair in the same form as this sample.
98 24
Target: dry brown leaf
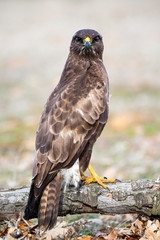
85 237
157 224
101 238
143 229
62 231
139 223
152 231
3 233
156 187
135 231
10 233
22 225
113 235
22 229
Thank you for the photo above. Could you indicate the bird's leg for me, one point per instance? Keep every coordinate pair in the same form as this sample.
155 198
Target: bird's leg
96 178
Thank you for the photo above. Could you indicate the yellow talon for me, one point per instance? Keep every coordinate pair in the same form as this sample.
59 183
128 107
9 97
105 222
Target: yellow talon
106 180
96 178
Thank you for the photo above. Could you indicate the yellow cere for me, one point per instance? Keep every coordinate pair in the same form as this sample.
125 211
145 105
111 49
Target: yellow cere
87 39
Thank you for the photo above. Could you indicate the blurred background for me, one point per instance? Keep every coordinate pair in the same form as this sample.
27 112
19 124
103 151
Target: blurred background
34 45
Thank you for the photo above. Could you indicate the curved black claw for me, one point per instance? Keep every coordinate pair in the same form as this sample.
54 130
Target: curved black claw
117 180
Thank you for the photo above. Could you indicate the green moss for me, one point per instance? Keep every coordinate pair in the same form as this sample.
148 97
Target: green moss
86 232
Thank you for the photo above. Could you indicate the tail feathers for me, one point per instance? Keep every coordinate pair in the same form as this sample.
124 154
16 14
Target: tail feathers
49 203
31 210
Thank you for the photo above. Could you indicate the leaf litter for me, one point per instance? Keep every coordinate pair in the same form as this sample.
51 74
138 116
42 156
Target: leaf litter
139 228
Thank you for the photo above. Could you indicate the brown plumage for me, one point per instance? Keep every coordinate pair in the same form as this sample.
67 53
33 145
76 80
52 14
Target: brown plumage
48 208
72 120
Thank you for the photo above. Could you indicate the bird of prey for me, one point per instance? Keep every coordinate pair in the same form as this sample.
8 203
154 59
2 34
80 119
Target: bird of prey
73 118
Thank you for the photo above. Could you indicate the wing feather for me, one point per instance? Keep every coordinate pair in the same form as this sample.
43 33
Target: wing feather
65 128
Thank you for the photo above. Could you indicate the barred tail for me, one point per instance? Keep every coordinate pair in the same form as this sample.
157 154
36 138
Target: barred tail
49 203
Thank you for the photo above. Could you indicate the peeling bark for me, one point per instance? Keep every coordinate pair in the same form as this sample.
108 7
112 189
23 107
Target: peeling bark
141 196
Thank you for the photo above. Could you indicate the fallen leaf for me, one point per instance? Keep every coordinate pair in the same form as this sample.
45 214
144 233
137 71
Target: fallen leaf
3 233
10 232
156 187
139 223
157 224
113 234
152 231
62 231
85 237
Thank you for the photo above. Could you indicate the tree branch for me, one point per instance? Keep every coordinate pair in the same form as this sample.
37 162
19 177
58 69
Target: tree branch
141 196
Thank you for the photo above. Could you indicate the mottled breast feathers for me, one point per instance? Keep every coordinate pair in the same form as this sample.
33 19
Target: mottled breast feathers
66 122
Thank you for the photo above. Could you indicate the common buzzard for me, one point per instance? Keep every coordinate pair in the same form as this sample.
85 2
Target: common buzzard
73 118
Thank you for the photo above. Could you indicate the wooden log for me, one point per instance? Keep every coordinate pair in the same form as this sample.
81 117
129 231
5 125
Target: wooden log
141 196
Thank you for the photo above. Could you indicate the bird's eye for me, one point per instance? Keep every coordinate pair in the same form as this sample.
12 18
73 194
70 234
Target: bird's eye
97 38
78 39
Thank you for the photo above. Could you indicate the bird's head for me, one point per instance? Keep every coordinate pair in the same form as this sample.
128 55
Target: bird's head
87 43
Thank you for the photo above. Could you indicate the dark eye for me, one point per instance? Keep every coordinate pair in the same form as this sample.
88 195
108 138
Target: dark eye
97 38
78 39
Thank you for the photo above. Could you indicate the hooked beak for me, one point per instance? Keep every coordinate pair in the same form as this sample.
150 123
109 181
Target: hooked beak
87 42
